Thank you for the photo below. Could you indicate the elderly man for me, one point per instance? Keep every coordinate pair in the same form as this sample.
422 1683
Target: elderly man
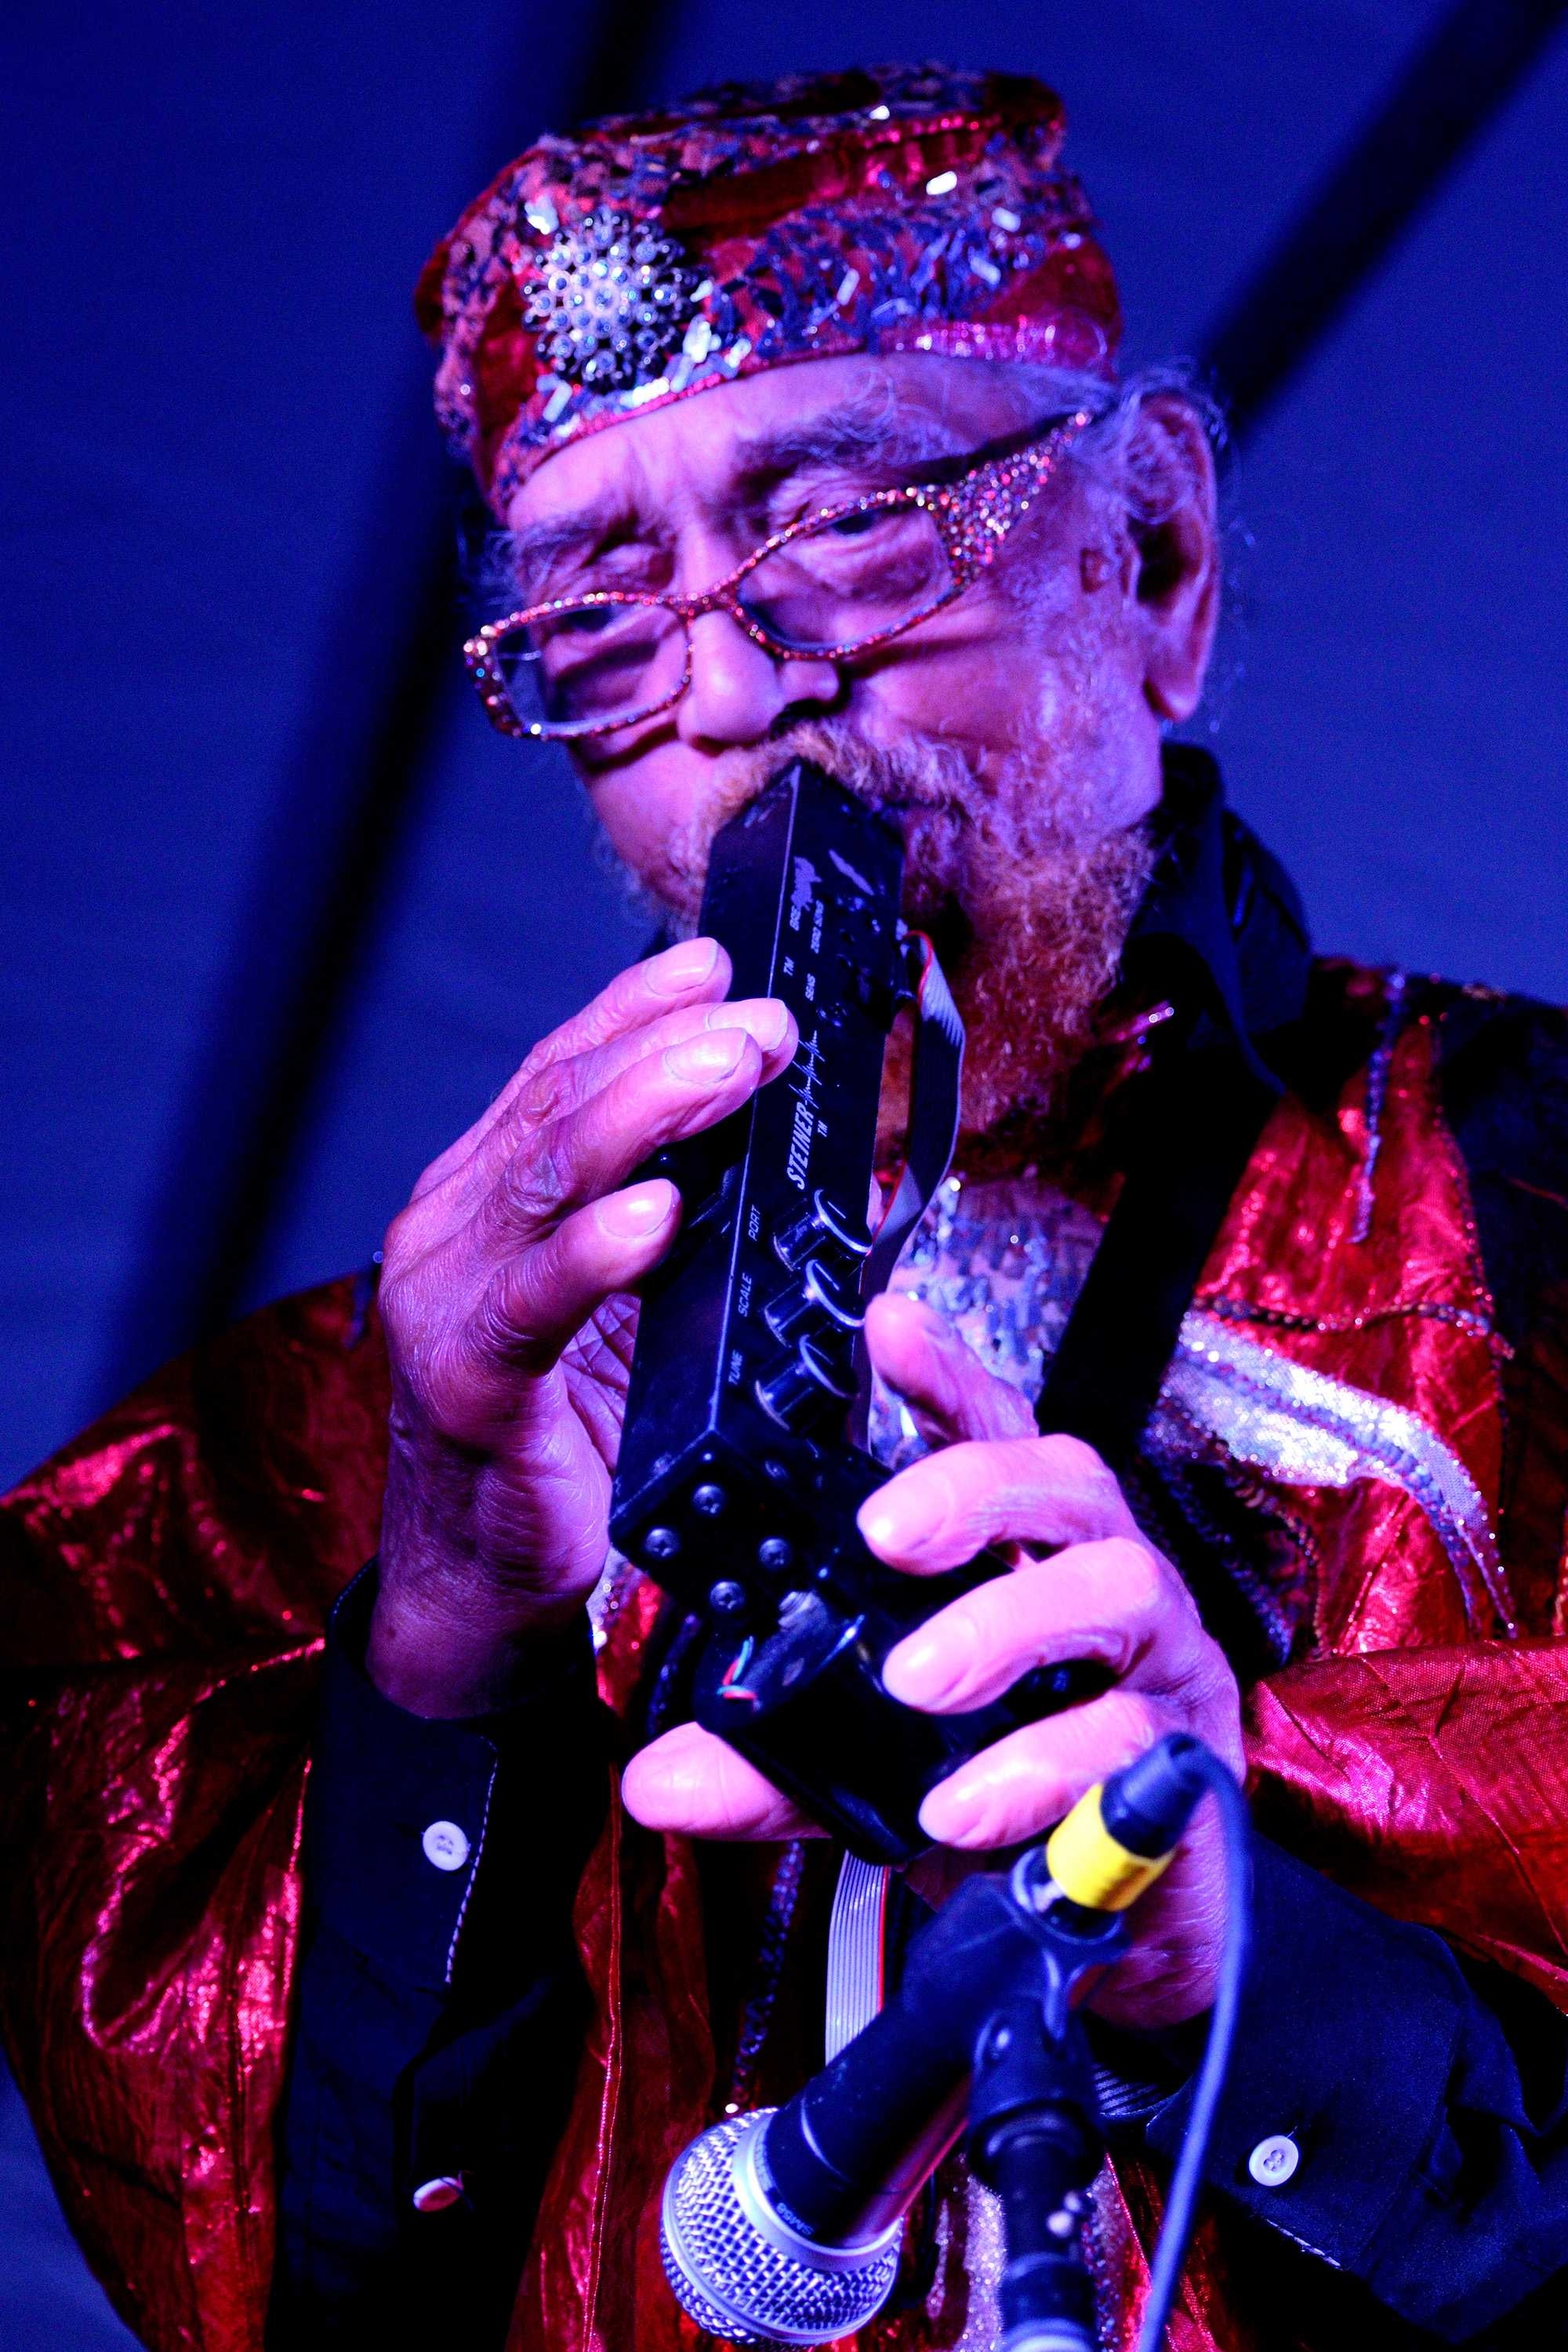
797 408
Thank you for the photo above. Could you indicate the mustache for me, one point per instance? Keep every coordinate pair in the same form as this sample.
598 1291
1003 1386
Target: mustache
918 776
1025 897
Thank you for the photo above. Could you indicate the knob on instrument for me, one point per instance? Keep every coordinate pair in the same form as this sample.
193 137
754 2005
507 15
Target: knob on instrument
822 1229
820 1308
805 1389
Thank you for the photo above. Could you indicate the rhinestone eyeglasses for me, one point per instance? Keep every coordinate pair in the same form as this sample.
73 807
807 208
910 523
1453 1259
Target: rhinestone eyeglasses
837 584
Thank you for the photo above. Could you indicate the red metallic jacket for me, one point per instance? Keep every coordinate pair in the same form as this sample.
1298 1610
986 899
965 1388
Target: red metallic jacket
1401 1235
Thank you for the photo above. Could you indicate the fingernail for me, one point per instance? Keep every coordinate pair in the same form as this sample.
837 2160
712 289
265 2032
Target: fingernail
894 1531
919 1321
879 1525
664 1789
766 1021
649 1781
702 1059
638 1211
645 1790
918 1669
952 1813
682 967
934 1324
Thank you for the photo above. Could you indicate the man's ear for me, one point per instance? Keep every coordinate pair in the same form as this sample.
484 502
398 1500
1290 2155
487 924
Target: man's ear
1175 536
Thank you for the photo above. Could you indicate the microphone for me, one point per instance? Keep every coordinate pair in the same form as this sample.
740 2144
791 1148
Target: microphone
738 2267
783 2226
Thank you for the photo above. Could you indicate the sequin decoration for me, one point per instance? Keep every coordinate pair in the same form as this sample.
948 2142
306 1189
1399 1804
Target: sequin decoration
897 208
1376 1099
614 301
1307 1429
617 1582
1006 1263
757 2015
984 2259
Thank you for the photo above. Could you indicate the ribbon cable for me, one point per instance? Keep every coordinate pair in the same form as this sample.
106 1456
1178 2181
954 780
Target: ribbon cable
934 1081
857 1947
935 1077
857 1929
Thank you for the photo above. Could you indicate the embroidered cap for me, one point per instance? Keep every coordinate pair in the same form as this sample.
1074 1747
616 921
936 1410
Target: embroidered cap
892 208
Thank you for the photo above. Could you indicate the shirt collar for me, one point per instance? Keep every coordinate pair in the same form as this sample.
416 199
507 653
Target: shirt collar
1220 929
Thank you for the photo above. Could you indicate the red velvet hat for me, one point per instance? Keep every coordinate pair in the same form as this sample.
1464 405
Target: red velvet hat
650 256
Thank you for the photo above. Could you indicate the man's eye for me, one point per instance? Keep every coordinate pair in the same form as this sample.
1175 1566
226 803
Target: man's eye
856 525
586 620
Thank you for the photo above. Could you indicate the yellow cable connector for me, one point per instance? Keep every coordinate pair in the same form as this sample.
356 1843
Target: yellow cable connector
1094 1868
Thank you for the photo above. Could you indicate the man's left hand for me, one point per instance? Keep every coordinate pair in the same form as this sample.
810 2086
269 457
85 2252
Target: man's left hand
1103 1592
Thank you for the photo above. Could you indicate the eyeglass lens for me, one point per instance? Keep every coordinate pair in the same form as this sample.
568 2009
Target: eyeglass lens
828 591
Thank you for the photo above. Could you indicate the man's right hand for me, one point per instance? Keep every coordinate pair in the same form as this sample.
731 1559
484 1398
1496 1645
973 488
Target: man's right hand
507 1294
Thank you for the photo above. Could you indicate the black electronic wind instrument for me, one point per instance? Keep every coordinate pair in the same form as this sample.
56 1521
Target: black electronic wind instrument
739 1478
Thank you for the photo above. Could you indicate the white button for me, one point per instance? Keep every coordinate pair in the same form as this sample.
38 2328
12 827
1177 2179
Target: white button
445 1845
1273 2162
434 2196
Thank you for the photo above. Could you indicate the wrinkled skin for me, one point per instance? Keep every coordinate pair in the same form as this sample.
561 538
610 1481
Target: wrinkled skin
509 1280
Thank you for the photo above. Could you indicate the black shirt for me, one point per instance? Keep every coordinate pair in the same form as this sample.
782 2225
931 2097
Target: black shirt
441 2009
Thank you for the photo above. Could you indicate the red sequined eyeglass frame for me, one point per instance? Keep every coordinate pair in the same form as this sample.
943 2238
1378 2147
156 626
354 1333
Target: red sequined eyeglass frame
974 512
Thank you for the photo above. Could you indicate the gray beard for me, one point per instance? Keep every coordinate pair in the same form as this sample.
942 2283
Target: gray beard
1027 902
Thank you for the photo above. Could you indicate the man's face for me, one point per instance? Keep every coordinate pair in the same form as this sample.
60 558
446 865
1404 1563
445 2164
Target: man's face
1017 732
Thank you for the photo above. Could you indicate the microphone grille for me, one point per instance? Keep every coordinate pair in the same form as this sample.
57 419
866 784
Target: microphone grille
744 2280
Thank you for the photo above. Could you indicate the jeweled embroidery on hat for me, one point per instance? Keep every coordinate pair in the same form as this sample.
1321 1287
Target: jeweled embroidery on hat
891 208
615 303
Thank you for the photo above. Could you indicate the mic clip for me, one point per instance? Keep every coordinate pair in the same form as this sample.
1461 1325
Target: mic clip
1035 2136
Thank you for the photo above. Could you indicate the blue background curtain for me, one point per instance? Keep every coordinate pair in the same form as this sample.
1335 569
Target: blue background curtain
226 533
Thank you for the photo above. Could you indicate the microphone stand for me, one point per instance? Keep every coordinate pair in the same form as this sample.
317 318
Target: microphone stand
782 2227
1035 2136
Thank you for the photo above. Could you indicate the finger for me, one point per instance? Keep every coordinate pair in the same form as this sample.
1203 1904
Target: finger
593 1149
940 1512
570 1081
1115 1602
552 1093
693 972
691 1782
940 1378
1027 1782
539 1298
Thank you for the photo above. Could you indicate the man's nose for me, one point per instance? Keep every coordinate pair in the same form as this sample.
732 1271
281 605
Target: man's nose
739 692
